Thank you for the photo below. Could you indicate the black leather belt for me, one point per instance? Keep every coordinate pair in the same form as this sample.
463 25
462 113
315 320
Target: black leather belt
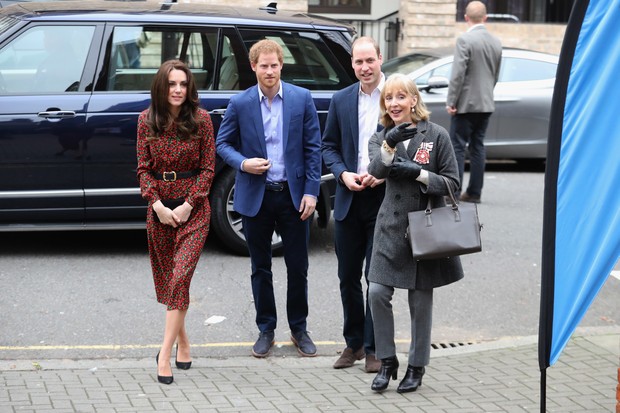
276 186
173 175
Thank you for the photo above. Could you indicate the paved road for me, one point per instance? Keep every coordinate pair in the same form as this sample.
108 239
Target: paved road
90 294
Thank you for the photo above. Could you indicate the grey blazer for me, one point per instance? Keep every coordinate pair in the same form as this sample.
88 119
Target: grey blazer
475 71
392 263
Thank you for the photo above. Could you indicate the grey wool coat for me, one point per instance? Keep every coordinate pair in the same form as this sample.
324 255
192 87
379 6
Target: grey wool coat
392 263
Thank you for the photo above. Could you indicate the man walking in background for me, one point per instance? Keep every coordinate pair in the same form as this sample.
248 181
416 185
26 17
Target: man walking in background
352 119
470 96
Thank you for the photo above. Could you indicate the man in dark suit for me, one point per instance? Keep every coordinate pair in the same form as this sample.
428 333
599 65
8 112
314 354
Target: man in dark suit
352 119
470 95
271 136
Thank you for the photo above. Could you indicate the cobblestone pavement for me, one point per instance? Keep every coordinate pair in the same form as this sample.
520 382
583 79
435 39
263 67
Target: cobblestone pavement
502 376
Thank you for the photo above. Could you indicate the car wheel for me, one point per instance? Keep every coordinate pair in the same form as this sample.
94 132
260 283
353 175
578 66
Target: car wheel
225 222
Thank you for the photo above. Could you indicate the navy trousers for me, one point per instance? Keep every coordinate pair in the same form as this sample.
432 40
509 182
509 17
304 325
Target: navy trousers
353 242
278 211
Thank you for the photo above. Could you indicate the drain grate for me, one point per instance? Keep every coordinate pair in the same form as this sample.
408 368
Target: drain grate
441 346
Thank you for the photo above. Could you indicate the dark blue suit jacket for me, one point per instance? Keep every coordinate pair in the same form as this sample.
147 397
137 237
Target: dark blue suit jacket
340 144
241 136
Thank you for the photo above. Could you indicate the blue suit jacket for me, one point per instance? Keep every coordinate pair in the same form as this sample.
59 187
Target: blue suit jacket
340 144
241 136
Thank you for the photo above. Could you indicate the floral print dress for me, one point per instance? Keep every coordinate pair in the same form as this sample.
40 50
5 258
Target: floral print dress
174 252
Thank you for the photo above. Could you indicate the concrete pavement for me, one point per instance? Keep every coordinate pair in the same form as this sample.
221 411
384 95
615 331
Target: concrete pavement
500 376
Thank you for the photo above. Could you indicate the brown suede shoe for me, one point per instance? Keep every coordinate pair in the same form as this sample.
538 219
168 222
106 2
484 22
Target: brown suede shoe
348 357
372 364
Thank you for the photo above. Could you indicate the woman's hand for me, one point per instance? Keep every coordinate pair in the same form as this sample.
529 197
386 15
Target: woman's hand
182 212
405 169
400 133
175 217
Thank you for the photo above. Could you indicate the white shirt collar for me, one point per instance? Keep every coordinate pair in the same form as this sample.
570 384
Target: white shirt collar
379 86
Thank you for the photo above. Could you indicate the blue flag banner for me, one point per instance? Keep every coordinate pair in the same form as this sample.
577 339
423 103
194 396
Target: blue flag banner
581 226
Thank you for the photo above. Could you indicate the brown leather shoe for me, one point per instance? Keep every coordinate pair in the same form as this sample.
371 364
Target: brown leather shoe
372 364
348 357
465 197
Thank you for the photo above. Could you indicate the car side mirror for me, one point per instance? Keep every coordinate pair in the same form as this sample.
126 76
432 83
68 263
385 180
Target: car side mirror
437 82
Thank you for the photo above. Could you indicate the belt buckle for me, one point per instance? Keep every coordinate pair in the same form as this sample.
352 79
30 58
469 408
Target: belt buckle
174 176
275 186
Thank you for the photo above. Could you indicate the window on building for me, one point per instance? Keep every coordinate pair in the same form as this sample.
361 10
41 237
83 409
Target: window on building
339 6
536 11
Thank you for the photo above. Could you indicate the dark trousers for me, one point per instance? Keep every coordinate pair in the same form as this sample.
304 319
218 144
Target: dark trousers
353 242
278 209
467 132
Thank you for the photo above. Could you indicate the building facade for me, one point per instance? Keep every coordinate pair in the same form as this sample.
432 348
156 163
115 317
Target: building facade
401 26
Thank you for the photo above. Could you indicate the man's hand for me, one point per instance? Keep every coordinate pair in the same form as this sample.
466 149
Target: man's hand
400 133
451 110
371 181
256 166
352 181
405 169
307 207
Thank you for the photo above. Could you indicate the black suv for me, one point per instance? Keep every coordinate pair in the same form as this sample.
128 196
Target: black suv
75 75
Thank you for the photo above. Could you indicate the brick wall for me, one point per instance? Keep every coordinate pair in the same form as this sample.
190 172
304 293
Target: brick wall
431 23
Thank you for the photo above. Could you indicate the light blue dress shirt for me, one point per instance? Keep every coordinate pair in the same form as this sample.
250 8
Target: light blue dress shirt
272 125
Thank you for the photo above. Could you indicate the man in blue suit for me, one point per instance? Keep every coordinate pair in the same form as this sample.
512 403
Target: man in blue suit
352 119
271 136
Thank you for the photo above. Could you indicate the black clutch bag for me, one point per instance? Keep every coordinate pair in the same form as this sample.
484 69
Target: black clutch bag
169 203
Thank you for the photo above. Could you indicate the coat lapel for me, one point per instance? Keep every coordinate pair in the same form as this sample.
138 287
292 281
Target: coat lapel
257 119
353 120
415 142
287 99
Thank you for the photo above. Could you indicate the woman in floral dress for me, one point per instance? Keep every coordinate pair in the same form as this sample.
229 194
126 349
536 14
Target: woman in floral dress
176 159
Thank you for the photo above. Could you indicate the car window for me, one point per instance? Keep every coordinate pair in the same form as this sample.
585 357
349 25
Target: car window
308 62
443 71
521 70
45 59
406 64
136 54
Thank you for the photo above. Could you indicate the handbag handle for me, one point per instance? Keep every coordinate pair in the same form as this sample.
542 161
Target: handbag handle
455 205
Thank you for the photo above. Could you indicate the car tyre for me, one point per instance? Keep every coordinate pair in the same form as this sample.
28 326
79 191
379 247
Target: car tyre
225 222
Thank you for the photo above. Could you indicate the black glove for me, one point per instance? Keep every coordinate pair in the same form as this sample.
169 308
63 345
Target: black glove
405 169
399 134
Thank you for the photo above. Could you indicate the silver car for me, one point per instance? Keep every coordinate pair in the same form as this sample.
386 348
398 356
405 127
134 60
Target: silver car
519 127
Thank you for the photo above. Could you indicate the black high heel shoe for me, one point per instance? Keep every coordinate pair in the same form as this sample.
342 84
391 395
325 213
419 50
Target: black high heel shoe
412 379
389 368
163 379
183 365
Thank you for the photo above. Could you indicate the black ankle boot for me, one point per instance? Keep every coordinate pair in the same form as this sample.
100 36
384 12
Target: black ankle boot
389 368
412 379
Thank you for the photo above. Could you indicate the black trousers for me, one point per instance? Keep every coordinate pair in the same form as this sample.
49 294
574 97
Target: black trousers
353 241
467 132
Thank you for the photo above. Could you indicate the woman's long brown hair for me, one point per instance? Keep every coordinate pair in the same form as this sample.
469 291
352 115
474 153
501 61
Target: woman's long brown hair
160 118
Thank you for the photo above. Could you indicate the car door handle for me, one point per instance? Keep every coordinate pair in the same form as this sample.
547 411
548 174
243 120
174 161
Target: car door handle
220 112
57 114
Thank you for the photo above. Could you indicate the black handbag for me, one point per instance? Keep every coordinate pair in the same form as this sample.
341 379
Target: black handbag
169 203
445 231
